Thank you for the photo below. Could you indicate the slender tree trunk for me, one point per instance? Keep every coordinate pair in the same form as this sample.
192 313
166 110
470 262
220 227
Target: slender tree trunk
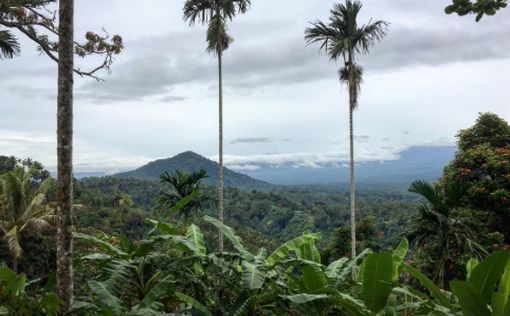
65 153
352 184
221 180
352 104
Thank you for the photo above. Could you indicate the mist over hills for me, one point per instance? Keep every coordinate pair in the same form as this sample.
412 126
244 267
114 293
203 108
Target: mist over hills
420 162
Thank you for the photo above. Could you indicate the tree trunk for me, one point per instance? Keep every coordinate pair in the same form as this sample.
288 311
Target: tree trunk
221 180
352 185
352 104
65 153
15 263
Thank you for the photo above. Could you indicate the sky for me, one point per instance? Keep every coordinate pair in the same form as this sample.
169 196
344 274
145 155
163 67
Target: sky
428 78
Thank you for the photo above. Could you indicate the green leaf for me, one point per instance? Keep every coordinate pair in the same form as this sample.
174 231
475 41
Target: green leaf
398 257
313 278
377 276
305 298
501 299
195 236
106 246
163 227
450 9
109 300
230 234
253 278
182 203
429 285
334 268
156 292
487 273
308 251
290 246
192 302
470 299
470 265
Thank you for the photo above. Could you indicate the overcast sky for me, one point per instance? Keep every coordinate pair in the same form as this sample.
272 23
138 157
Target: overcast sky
427 79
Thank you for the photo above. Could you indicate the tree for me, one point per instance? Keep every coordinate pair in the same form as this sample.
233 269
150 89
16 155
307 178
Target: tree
37 22
483 163
342 38
23 208
178 185
216 13
9 46
478 7
442 231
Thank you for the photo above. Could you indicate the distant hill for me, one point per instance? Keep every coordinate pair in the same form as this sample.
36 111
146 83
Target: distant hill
419 162
190 162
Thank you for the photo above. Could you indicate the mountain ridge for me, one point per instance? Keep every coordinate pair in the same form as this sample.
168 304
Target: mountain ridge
190 161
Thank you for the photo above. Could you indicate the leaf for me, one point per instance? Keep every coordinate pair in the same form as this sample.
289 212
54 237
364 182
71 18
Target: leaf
234 239
156 292
308 251
195 236
398 257
182 203
429 285
377 276
470 299
313 278
163 227
97 256
292 245
192 302
334 267
305 298
501 298
253 278
470 265
487 273
105 297
450 9
106 246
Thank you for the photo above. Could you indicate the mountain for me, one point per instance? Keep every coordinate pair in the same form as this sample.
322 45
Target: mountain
190 162
420 162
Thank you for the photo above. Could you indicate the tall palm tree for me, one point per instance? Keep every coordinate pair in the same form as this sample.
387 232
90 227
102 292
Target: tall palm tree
9 46
23 207
342 38
441 230
179 185
216 13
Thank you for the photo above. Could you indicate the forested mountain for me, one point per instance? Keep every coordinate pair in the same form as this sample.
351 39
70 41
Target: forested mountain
190 162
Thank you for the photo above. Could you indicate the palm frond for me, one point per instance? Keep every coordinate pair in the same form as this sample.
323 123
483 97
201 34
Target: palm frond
9 46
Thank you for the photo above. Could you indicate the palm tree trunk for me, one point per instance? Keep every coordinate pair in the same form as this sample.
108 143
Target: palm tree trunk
221 180
352 183
65 153
352 103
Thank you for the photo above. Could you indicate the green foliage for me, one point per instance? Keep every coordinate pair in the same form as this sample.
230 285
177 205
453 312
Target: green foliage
478 7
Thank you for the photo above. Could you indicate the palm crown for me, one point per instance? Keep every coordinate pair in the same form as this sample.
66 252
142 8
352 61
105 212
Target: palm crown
342 38
215 13
22 206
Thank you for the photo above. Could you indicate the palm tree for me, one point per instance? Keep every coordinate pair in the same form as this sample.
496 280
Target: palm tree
9 46
23 207
216 13
342 38
441 230
179 185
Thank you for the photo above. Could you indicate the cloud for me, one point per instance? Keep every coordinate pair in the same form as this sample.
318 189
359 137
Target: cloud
251 140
